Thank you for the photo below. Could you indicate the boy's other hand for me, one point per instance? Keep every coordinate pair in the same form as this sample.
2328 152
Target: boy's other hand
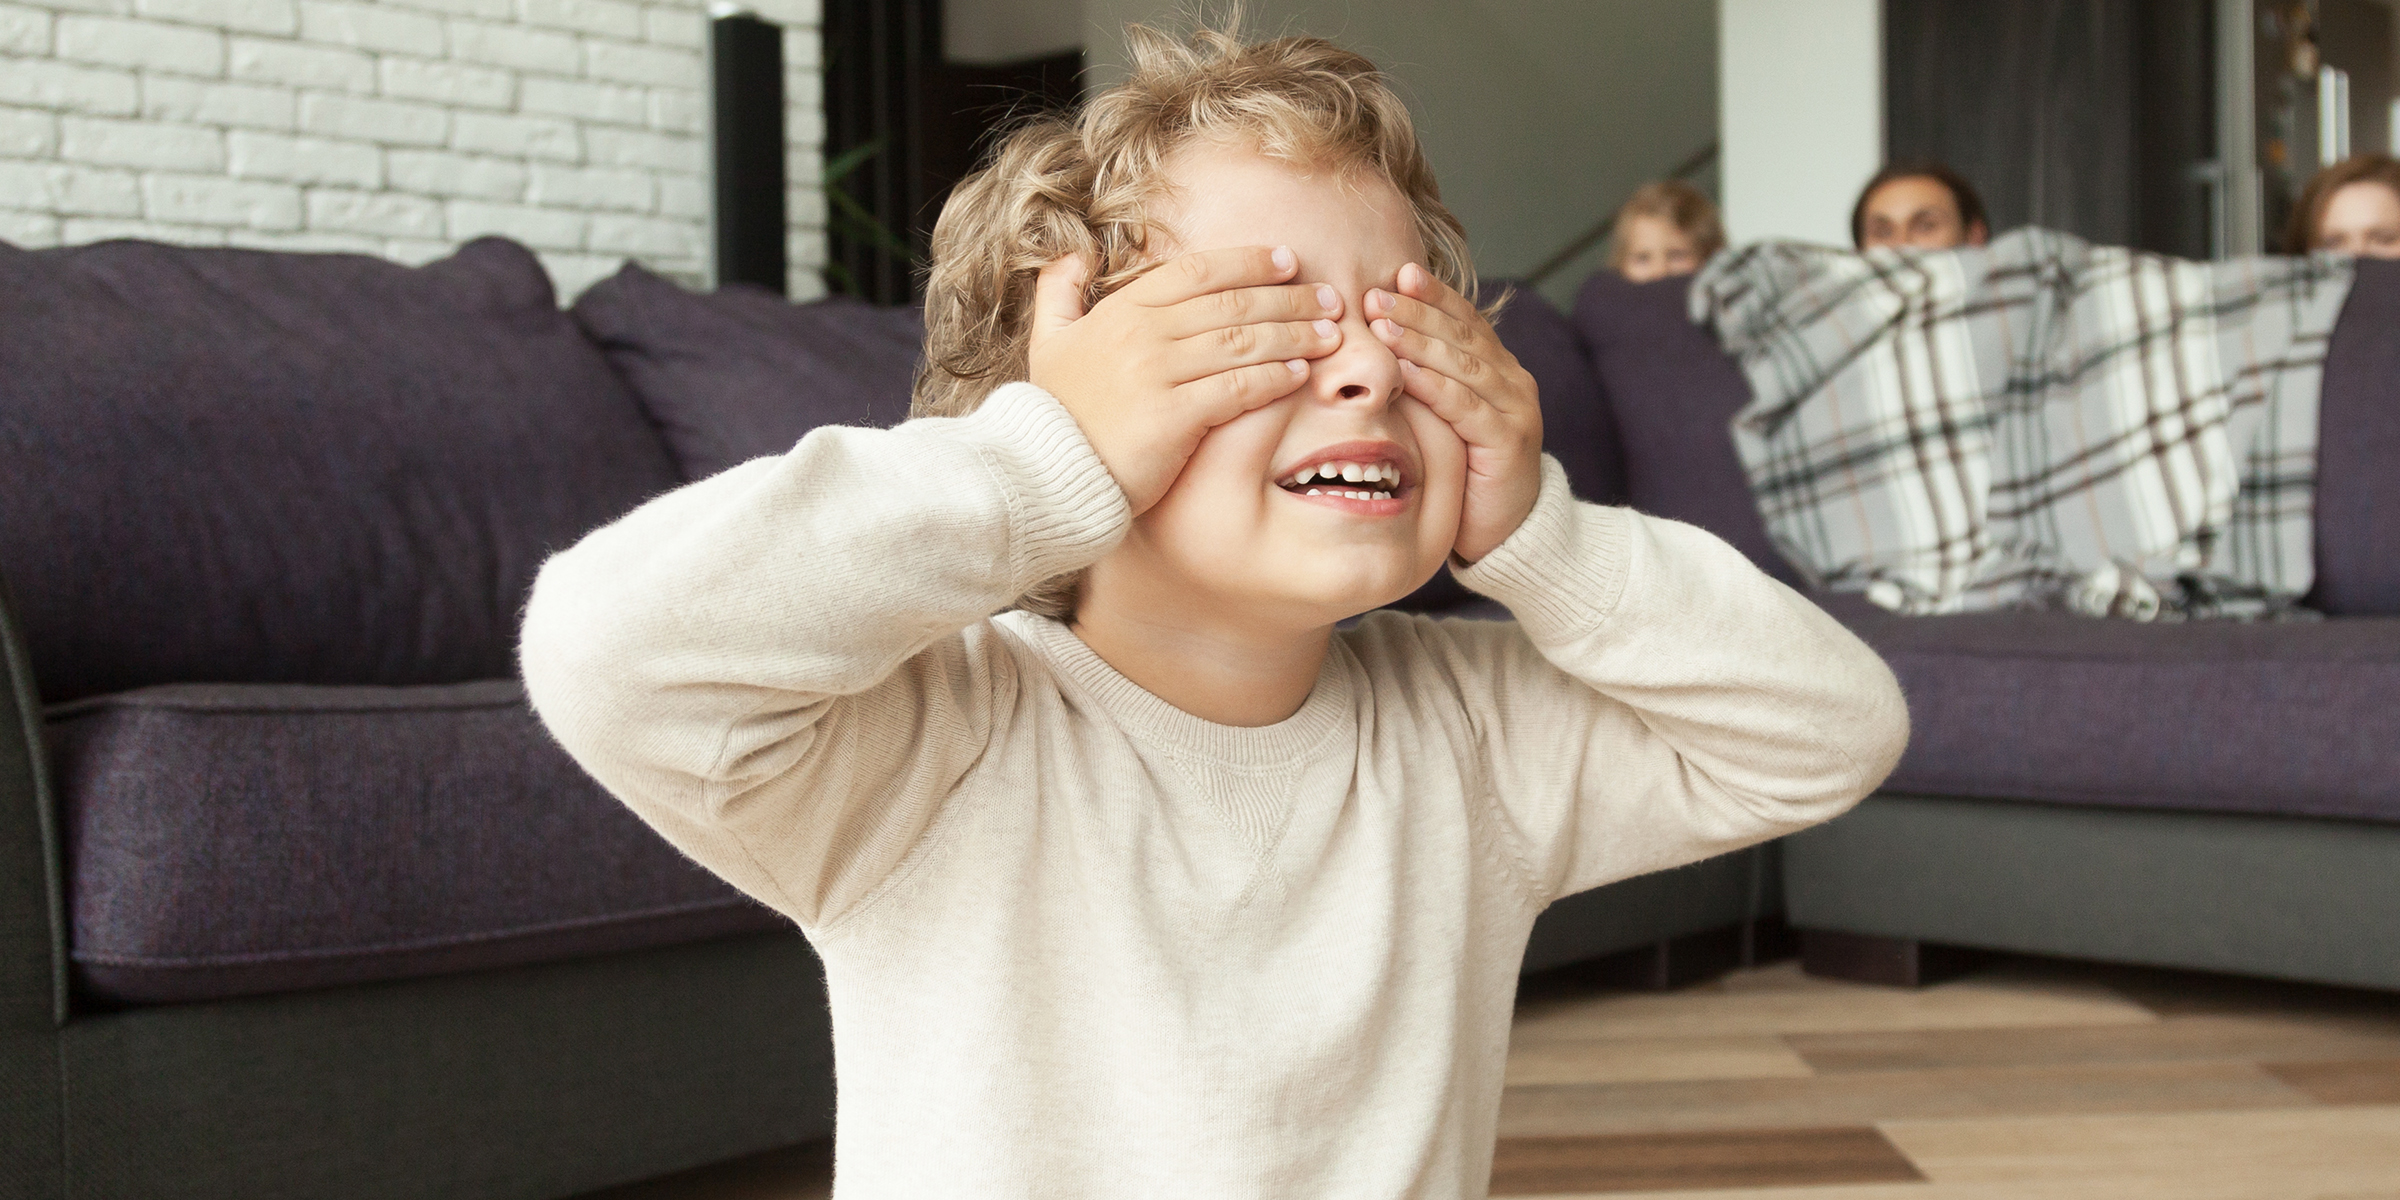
1193 344
1452 361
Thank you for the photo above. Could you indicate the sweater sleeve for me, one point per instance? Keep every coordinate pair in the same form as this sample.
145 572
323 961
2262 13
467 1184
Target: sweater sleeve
1665 700
784 668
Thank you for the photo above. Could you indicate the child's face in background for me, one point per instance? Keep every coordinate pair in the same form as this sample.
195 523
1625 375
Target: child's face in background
1233 535
1655 249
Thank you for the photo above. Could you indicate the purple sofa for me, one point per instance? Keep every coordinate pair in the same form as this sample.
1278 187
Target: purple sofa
2215 796
296 897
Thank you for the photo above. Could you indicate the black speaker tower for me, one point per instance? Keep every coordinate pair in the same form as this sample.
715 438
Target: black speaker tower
746 141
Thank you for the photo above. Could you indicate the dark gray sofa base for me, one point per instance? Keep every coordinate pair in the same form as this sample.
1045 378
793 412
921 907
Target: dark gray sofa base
527 1082
1654 913
2286 897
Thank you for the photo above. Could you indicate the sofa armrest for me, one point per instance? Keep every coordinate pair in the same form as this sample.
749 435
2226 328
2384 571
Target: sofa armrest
33 943
33 937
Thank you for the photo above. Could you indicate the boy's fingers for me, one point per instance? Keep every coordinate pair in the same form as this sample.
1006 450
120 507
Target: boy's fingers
1058 292
1225 395
1449 399
1418 315
1246 345
1415 281
1212 271
1248 305
1469 370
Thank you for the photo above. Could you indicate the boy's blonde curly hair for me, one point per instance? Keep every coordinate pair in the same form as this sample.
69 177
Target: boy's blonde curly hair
1086 183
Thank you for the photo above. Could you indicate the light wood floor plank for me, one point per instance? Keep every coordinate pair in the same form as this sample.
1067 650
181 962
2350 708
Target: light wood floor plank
1869 1097
2258 1038
2175 1189
1686 1161
2371 1082
2311 1151
1537 1060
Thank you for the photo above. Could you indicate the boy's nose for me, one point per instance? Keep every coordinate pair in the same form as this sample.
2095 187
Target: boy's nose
1363 369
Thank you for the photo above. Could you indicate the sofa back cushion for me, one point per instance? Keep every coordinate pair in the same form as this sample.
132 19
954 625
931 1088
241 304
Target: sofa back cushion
241 466
1673 394
739 373
2358 452
1577 427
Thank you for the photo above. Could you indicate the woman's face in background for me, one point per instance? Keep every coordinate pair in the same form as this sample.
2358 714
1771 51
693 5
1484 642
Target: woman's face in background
2361 218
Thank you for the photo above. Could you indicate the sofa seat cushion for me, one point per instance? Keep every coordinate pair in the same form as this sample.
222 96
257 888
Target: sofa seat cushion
225 840
2292 719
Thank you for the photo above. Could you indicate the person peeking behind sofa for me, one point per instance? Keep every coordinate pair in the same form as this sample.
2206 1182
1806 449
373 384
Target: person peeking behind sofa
1665 228
2351 207
1924 205
1160 882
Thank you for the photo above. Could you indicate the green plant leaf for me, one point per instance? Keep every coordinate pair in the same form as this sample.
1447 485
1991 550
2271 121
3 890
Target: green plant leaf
850 160
861 224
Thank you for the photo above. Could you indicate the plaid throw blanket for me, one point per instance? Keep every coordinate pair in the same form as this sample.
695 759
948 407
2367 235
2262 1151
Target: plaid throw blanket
2038 423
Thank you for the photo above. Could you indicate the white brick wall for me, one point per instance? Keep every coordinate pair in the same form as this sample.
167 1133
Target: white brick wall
390 127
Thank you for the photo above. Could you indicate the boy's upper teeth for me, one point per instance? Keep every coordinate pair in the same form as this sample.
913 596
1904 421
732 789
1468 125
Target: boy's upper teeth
1349 472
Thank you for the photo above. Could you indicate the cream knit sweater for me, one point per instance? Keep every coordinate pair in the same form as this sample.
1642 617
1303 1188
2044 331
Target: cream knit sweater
1082 944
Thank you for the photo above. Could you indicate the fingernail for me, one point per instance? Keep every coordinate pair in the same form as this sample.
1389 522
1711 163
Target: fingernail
1406 271
1283 257
1377 301
1299 366
1385 328
1328 299
1407 367
1327 328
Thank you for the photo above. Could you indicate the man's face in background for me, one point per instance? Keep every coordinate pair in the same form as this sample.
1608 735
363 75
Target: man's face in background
1916 211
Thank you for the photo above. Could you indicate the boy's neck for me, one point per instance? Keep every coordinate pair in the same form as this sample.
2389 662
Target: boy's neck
1228 672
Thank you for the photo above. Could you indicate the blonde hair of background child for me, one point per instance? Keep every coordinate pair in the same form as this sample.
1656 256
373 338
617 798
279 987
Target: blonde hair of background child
1085 183
1677 203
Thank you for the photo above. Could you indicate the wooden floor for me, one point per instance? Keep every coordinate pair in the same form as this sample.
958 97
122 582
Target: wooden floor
2027 1080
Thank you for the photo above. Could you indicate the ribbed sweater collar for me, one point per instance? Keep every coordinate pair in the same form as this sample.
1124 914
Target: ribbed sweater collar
1327 709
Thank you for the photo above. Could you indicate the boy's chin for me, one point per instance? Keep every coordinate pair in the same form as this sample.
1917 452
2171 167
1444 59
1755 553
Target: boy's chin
1328 605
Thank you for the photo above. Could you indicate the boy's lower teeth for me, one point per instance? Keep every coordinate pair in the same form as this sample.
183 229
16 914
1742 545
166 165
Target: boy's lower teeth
1350 495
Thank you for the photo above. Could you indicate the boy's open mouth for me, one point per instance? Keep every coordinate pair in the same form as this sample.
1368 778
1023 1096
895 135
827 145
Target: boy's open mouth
1348 479
1366 478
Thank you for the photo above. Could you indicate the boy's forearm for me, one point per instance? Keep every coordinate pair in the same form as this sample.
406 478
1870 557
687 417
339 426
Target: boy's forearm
1780 710
784 583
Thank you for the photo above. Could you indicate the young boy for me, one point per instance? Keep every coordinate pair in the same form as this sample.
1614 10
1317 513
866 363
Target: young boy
1158 885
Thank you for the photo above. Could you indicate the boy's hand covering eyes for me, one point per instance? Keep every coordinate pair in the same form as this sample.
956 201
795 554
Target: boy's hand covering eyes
1452 361
1193 344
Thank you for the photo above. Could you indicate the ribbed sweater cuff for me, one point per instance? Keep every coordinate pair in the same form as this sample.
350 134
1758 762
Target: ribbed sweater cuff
1563 570
1065 509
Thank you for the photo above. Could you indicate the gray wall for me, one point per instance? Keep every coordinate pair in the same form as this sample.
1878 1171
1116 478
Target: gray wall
1540 115
1000 31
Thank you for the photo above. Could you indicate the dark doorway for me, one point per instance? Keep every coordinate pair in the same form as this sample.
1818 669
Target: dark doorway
2096 117
902 126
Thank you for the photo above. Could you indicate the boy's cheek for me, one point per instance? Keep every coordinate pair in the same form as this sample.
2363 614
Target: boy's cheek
1440 452
1441 491
1237 455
